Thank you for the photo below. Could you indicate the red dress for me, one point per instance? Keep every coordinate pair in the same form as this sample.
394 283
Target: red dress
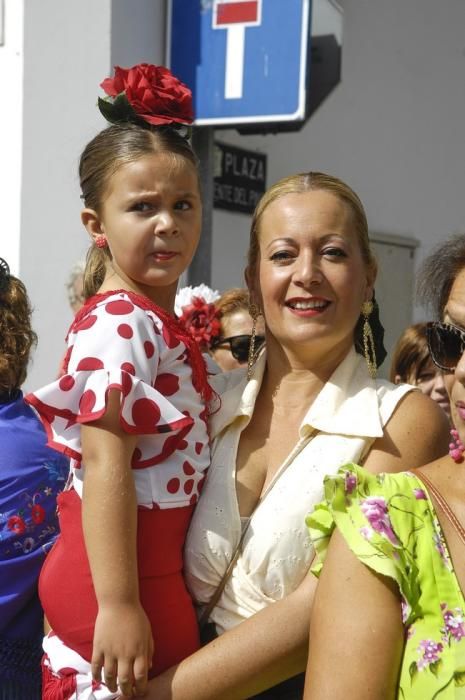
122 341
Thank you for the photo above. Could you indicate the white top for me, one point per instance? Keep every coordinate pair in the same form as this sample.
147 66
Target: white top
347 416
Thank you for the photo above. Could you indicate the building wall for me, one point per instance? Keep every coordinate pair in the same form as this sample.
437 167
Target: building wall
11 73
392 129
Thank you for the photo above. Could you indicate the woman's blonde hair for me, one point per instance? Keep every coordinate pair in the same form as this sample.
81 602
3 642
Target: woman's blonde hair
306 182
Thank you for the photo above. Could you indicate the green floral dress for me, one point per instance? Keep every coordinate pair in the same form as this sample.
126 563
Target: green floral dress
390 524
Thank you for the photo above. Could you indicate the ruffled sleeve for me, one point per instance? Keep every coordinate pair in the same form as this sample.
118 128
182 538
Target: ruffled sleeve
115 345
377 516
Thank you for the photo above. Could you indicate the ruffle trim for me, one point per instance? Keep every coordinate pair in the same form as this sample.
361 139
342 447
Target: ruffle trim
143 409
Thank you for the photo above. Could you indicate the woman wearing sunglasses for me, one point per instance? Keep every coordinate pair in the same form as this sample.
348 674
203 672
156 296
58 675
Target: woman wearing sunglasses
231 348
400 541
308 404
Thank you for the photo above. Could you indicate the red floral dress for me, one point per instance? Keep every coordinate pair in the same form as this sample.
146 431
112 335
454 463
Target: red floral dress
122 341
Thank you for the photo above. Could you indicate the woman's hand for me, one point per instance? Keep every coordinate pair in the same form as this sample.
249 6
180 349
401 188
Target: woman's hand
123 647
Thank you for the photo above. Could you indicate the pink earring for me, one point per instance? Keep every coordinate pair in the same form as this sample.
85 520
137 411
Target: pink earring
456 448
101 241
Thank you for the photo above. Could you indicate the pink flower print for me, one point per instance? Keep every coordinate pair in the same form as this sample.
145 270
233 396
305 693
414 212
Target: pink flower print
419 494
405 609
375 510
366 533
430 653
454 624
350 482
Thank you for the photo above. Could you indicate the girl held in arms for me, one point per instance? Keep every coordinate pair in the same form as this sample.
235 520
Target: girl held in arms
130 409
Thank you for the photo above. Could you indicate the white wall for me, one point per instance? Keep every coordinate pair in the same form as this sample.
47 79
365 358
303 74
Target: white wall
393 128
69 49
11 72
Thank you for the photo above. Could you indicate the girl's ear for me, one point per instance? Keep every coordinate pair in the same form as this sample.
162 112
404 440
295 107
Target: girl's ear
92 222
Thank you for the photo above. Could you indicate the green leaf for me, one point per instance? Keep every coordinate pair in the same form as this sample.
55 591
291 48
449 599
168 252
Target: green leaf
435 667
118 109
413 670
459 677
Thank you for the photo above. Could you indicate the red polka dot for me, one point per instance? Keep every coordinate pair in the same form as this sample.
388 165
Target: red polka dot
136 457
128 367
86 323
169 338
167 384
188 469
173 485
87 402
188 486
90 363
193 499
125 331
66 383
126 383
198 447
183 444
119 308
149 349
145 414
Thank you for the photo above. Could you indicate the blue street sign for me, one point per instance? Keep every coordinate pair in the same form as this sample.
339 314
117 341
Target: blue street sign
244 60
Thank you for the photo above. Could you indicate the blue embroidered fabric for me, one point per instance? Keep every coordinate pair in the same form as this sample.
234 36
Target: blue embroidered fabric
31 476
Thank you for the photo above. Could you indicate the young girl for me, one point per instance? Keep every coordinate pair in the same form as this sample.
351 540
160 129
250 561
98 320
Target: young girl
130 408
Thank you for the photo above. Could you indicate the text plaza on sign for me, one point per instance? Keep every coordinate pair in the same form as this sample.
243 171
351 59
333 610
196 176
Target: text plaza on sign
241 165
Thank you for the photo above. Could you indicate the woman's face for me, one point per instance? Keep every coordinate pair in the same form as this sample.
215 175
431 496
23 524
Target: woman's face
235 324
311 279
431 382
455 381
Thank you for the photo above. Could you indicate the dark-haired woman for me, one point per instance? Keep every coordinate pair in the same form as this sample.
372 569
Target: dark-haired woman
31 475
310 404
393 624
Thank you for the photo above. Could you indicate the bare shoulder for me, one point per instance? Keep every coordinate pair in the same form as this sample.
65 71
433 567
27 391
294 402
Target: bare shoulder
417 433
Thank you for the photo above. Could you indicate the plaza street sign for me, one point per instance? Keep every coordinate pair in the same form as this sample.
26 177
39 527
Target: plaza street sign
244 60
239 178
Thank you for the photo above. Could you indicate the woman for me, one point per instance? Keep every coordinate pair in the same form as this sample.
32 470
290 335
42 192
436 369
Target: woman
309 406
231 348
411 363
400 541
31 475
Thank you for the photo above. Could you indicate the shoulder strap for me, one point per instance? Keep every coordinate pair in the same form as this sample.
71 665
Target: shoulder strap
448 512
203 619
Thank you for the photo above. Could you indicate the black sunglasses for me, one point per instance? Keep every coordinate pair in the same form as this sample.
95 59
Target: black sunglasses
239 345
446 344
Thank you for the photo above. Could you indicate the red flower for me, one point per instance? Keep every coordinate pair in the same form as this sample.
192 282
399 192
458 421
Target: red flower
201 320
17 524
37 514
153 92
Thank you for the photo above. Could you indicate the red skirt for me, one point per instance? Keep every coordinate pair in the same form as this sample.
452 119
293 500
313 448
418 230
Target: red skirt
68 597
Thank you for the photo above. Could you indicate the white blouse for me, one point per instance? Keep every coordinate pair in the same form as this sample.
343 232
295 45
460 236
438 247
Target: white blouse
347 416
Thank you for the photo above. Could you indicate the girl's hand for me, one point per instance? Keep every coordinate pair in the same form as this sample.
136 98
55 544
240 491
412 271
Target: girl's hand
123 647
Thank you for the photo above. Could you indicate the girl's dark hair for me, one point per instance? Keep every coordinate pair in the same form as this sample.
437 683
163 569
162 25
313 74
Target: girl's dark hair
16 334
438 272
113 147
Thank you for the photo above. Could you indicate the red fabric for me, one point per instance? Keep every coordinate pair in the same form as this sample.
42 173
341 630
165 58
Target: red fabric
57 687
68 598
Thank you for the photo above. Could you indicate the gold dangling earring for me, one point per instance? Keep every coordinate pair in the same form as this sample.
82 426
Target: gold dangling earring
368 340
254 311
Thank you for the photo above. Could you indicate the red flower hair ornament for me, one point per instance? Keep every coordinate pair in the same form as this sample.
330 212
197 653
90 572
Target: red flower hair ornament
146 94
201 320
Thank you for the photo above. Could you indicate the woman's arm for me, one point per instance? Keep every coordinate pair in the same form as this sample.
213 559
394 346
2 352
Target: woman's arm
416 434
266 649
109 516
356 631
